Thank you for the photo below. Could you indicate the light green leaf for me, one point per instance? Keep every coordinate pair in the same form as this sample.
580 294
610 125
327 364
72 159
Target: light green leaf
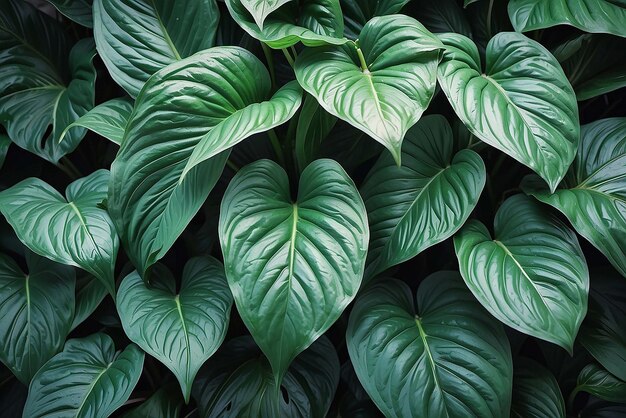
70 230
261 9
164 403
108 119
448 358
527 111
36 308
5 142
536 393
180 329
382 84
77 10
293 274
243 123
88 379
89 294
314 125
595 380
358 12
423 202
238 382
312 22
532 275
597 16
593 195
136 38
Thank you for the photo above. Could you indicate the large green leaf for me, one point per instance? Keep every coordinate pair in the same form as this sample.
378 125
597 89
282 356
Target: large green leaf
598 16
149 201
261 9
238 382
243 123
358 12
527 111
88 379
164 403
108 119
183 328
593 195
295 271
448 358
37 87
136 38
603 333
597 381
382 84
312 22
423 202
536 393
36 310
77 10
71 230
532 275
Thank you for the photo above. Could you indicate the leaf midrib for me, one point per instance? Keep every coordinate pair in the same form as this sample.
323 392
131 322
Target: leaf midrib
179 309
166 35
91 386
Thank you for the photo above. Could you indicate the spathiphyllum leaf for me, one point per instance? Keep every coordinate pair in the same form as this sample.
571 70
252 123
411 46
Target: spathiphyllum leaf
292 266
593 195
88 379
527 111
261 9
238 382
136 38
72 230
382 84
39 85
108 119
312 22
597 381
180 329
603 333
149 200
531 275
536 393
36 308
447 358
598 16
77 10
358 12
423 202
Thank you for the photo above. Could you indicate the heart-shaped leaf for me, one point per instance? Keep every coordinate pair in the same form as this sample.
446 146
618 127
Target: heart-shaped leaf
36 310
261 9
238 382
89 294
593 195
181 330
136 38
241 124
70 230
149 201
295 271
87 379
599 16
536 393
108 119
532 275
449 358
382 84
595 380
312 22
527 111
358 12
423 202
77 10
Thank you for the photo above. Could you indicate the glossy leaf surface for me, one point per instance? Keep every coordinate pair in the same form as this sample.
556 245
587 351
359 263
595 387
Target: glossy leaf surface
77 10
108 119
260 9
89 294
597 381
536 393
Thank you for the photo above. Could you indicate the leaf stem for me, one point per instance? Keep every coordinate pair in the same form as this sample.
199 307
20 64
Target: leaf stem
489 10
270 63
278 150
290 60
69 168
364 67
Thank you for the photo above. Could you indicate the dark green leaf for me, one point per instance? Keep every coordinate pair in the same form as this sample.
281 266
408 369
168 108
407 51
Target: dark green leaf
89 294
314 125
77 10
440 16
602 409
536 393
597 381
5 142
108 119
358 12
164 403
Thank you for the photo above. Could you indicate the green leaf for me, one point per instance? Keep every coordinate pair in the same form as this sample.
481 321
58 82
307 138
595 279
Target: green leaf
5 142
532 275
527 111
312 22
238 382
294 273
37 309
536 393
314 125
358 12
595 380
440 16
180 329
136 38
602 409
382 84
597 16
423 202
87 379
593 195
243 123
149 201
261 9
77 10
164 403
89 294
447 359
108 119
603 333
70 230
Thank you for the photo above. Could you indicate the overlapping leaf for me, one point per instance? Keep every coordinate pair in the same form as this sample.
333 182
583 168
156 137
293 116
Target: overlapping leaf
89 294
108 119
77 10
358 12
164 403
536 393
599 382
314 125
